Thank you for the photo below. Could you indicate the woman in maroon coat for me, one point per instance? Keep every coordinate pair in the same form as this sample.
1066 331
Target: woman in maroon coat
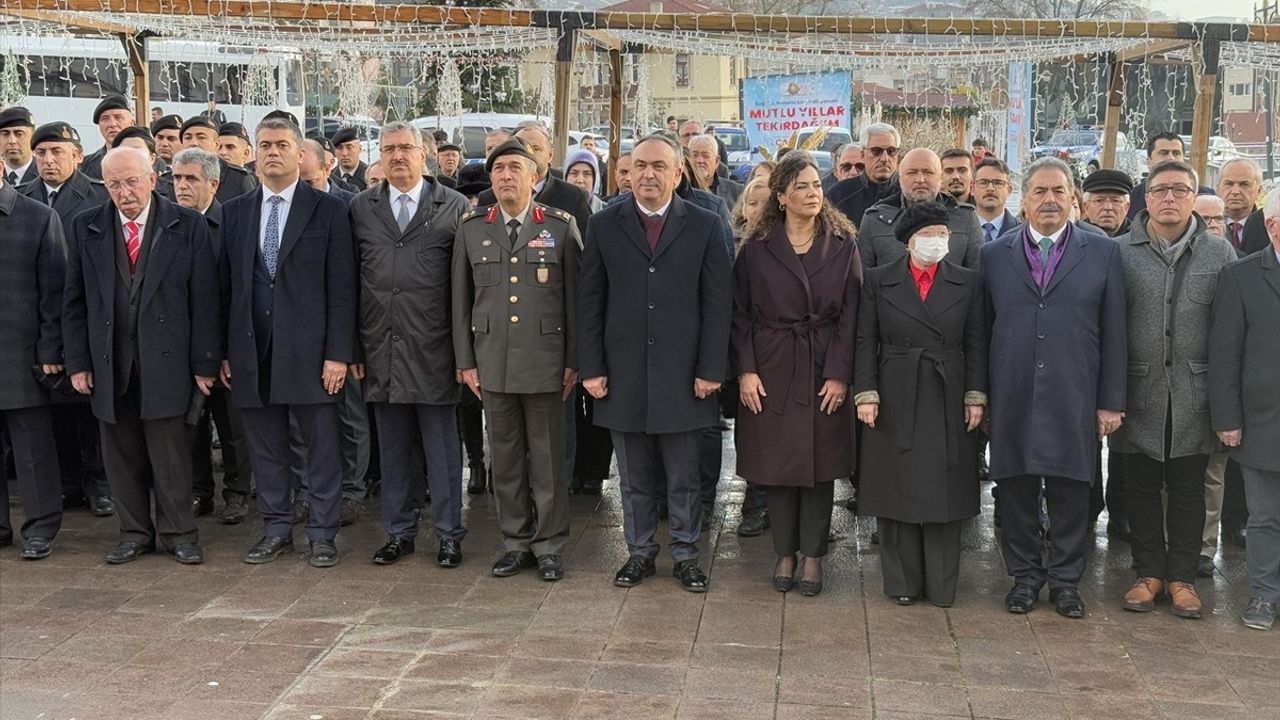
796 287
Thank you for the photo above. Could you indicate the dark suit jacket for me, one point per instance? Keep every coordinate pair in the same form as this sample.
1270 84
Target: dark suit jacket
1244 343
233 181
855 196
341 193
177 317
213 218
652 322
91 165
1255 235
27 176
33 265
558 194
78 193
314 290
358 179
1056 357
1009 223
703 199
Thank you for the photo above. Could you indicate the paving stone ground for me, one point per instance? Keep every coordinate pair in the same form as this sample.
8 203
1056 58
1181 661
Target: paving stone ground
229 641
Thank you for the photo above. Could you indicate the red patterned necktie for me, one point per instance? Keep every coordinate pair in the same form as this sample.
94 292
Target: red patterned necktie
132 243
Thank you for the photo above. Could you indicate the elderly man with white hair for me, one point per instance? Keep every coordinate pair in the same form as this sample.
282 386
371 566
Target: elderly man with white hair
1244 402
140 334
704 152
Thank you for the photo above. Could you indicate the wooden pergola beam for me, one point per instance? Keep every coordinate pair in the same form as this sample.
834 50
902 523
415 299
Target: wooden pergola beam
740 22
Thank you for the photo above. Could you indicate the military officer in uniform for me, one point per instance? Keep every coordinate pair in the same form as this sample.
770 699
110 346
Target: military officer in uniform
515 266
168 134
233 181
111 116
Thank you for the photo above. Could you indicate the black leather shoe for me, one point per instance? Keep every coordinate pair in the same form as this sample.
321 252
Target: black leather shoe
1021 599
513 562
690 576
395 549
477 480
102 506
128 552
754 523
236 511
634 571
37 548
550 568
267 549
324 554
1067 601
1204 566
590 487
188 554
1235 536
201 506
904 599
450 554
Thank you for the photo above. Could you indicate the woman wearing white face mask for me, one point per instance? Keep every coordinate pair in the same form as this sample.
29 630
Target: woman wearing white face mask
920 381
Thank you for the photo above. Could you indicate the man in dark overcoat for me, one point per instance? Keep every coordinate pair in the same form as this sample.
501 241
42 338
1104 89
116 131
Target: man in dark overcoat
33 262
1056 309
288 271
404 233
656 309
140 328
1244 403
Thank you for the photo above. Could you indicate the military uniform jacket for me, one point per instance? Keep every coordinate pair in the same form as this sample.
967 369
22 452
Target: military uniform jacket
234 181
80 192
514 305
33 264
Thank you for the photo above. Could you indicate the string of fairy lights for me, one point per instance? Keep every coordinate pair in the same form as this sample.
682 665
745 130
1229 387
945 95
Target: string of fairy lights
444 54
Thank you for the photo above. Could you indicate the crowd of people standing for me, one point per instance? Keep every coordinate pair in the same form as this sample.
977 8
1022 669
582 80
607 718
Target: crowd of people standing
890 322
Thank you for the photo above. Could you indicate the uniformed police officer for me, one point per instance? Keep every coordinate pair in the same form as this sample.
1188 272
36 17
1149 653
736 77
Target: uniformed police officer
168 134
233 181
515 267
111 116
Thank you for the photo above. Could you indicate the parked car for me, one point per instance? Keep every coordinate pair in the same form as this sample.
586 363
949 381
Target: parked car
628 135
1081 148
468 130
367 129
1220 149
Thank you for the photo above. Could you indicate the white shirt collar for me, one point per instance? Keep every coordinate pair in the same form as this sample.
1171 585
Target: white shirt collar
662 211
19 171
414 193
51 188
287 193
141 219
521 217
1053 237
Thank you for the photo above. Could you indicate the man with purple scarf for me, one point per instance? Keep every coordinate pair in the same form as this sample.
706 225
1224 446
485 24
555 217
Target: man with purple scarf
1056 308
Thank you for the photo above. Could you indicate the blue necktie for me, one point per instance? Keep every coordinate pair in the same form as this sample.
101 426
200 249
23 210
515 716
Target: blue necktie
988 232
403 217
271 243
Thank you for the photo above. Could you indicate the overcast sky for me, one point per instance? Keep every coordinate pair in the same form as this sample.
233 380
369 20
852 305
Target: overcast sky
1196 9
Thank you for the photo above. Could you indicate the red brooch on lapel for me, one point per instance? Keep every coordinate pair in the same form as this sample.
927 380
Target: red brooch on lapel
493 215
538 215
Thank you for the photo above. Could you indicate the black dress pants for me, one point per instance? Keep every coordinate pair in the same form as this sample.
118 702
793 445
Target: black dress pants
235 456
920 560
801 518
79 441
1166 539
35 461
1067 502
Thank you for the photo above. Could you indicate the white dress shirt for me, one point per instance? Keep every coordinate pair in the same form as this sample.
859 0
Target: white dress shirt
414 193
283 211
141 220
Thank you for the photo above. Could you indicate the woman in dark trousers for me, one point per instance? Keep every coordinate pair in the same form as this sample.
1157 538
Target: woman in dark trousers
796 285
920 388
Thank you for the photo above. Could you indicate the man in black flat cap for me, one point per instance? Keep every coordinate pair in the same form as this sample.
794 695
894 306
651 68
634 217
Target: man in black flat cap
168 134
449 161
346 148
1106 201
16 127
233 144
111 116
200 132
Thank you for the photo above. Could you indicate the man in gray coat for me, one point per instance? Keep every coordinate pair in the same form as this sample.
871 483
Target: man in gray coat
1244 403
404 233
920 175
515 273
1171 265
33 262
704 155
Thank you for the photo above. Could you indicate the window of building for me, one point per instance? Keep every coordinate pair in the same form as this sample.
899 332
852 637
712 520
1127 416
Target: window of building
682 70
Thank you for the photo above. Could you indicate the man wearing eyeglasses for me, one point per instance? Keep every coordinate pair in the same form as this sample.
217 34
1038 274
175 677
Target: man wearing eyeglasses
1106 201
1171 264
854 195
141 339
991 190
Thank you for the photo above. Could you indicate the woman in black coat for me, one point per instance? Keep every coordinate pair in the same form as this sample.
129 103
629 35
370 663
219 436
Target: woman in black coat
920 387
795 305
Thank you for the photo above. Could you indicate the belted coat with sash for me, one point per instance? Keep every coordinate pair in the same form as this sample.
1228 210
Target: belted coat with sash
793 325
924 359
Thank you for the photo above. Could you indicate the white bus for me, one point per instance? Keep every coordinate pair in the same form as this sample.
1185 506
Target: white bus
66 77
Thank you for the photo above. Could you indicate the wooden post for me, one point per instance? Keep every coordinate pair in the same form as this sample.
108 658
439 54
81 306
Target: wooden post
615 117
1115 108
135 48
1206 90
564 79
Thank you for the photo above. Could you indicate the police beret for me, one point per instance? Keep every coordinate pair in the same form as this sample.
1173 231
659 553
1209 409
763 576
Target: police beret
234 129
322 141
345 135
514 146
16 116
197 121
918 216
1107 181
449 146
167 122
55 132
282 115
110 102
135 131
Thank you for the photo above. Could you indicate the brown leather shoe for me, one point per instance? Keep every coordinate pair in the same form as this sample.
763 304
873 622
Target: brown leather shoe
1142 596
1184 600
